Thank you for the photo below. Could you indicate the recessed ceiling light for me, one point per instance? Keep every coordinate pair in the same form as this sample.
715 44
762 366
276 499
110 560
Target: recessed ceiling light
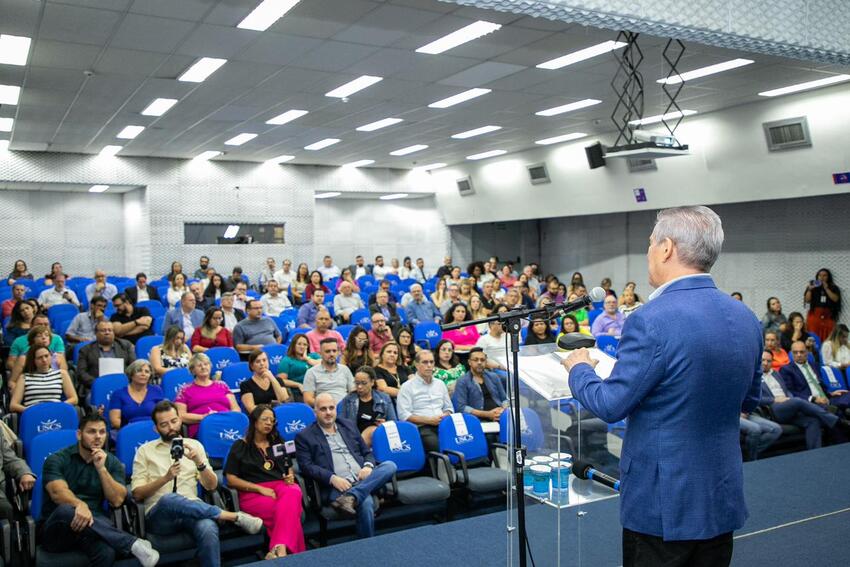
14 49
203 68
359 163
9 94
806 86
321 144
159 106
392 196
240 139
408 150
6 124
459 37
558 139
130 132
704 71
459 98
287 116
430 166
485 155
354 86
98 188
209 154
110 150
371 127
568 107
267 13
280 159
659 117
327 195
581 55
4 145
231 231
476 132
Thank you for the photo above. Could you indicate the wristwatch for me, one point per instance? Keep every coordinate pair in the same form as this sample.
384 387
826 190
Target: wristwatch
202 467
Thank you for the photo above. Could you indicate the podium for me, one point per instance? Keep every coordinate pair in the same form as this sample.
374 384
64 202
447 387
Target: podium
555 431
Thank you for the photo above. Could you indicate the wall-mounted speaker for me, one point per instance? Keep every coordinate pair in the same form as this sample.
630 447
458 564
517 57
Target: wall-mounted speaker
595 155
464 186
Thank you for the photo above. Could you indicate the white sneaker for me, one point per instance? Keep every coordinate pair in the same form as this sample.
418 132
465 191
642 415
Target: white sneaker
251 524
145 553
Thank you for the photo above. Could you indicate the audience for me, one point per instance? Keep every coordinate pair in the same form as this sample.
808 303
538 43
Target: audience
203 395
267 274
104 346
255 331
463 338
493 343
172 353
356 352
347 276
100 287
39 336
328 376
390 374
317 282
440 294
795 330
328 269
82 325
240 296
419 309
386 308
299 284
19 272
141 291
58 294
308 311
232 316
15 470
628 302
448 368
407 348
835 350
214 288
274 303
780 356
295 364
130 322
136 401
203 267
176 290
359 269
263 387
186 315
324 331
379 271
774 320
539 333
40 382
824 300
366 407
424 401
346 302
380 334
211 333
285 276
479 391
610 321
18 293
20 323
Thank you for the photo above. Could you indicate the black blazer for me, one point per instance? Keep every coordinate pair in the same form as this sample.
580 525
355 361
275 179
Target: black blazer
133 294
374 308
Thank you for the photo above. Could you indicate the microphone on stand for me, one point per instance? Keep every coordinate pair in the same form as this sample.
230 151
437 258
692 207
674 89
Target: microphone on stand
596 294
584 470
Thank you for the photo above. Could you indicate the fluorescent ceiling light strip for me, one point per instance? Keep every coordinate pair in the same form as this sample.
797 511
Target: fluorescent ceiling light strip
4 145
476 132
392 196
371 127
280 159
659 117
359 163
806 86
159 106
559 139
430 166
582 54
209 154
485 155
704 71
287 116
6 124
459 98
202 68
14 49
98 188
459 37
240 139
10 94
568 107
354 86
321 144
268 12
110 150
327 195
130 132
408 150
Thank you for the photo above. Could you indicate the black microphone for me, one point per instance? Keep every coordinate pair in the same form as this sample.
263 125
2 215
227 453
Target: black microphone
583 469
596 294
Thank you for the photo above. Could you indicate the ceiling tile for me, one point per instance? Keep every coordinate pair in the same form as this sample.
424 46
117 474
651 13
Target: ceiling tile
77 25
191 10
128 62
482 74
147 33
217 41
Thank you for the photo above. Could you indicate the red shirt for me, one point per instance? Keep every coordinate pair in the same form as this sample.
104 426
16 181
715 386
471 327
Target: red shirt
8 305
223 338
376 341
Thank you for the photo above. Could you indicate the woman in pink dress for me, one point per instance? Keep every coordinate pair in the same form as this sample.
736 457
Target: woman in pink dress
203 395
506 278
464 338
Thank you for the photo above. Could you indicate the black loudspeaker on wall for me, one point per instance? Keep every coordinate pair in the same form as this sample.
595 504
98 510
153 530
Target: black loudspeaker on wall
595 157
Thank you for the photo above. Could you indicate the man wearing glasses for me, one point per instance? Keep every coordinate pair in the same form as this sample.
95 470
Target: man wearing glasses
424 401
255 331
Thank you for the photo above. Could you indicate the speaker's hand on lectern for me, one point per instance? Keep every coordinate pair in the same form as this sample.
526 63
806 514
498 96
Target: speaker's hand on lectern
578 356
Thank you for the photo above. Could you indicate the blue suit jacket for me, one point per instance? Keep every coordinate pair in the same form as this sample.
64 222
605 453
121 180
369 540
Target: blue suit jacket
314 453
796 382
767 396
175 317
682 383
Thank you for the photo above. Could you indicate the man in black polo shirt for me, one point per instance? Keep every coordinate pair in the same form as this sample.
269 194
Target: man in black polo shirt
130 322
77 480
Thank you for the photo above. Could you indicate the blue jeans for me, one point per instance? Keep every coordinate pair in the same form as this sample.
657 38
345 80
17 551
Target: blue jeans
759 434
99 541
175 513
362 491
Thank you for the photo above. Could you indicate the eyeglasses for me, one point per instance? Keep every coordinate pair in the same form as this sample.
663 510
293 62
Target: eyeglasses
361 383
427 362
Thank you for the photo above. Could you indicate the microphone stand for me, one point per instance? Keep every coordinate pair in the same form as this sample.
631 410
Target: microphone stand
512 323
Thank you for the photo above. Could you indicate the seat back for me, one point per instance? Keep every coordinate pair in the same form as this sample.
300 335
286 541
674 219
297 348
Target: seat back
145 344
218 431
102 388
42 418
77 350
293 418
39 449
345 330
462 432
361 317
221 357
832 378
130 438
608 345
61 312
399 442
531 429
592 315
286 321
173 380
235 374
275 354
427 334
155 307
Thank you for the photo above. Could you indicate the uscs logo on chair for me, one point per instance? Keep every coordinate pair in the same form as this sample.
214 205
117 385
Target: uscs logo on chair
461 439
431 334
403 448
49 425
230 435
294 426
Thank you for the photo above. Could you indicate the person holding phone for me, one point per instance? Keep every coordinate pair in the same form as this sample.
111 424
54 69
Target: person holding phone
824 300
260 469
366 406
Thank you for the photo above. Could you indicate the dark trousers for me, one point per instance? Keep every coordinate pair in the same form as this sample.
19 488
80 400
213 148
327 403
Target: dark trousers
642 550
99 542
430 438
807 415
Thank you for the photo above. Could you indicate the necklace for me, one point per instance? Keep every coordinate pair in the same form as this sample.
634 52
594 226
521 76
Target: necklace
268 464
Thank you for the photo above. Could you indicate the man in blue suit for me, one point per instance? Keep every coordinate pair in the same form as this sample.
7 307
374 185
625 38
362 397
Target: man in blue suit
804 381
184 315
682 384
332 452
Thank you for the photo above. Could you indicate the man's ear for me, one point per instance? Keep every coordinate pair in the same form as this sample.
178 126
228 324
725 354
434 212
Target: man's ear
668 249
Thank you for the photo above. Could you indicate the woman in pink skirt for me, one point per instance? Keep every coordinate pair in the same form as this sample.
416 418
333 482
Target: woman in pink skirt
266 483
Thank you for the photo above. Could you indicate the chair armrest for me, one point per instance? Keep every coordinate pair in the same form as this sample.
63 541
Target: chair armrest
435 460
135 516
11 419
315 494
462 460
495 456
6 540
30 537
305 499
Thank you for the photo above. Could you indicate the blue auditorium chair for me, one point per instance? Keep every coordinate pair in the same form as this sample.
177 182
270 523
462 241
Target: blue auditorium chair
234 374
345 330
293 418
102 389
531 435
77 350
145 344
45 417
220 357
173 380
608 344
276 353
592 315
427 334
130 438
60 312
218 431
469 451
361 317
832 378
155 308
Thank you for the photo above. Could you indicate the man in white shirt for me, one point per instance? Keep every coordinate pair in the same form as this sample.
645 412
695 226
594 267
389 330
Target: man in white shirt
101 287
58 294
379 270
418 272
328 269
267 273
274 303
424 401
231 315
285 275
240 296
346 302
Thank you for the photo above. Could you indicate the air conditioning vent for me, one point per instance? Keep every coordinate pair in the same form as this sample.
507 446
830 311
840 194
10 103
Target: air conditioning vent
787 134
464 186
641 164
538 173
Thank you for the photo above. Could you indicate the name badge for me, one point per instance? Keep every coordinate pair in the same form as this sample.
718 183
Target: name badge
365 417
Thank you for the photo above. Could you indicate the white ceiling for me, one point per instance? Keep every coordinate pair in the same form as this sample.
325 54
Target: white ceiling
137 48
62 187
